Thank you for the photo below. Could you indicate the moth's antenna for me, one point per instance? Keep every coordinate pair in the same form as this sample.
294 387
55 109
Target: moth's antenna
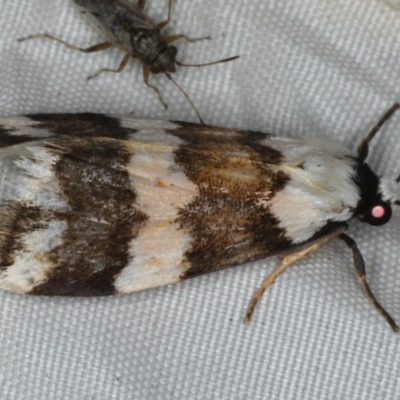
187 96
210 63
362 149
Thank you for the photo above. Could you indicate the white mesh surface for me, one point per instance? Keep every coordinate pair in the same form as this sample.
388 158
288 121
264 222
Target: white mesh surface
320 67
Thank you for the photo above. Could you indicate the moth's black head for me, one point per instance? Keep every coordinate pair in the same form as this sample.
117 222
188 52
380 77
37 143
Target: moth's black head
371 208
165 60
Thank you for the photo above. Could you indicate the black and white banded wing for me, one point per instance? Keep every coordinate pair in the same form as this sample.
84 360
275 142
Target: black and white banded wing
96 205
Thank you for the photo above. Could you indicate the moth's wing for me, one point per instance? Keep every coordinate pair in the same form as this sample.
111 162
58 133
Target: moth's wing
321 190
130 204
259 195
71 198
117 21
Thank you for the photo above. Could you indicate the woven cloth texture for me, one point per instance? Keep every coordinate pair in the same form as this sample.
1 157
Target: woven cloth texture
324 68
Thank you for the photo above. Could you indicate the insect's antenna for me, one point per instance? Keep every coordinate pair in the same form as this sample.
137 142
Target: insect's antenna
210 63
362 149
187 96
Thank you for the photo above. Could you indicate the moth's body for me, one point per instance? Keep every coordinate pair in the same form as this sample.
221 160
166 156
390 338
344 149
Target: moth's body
97 205
169 200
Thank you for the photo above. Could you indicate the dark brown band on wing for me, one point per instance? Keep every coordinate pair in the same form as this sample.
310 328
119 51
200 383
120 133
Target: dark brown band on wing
8 138
101 221
82 125
15 221
229 221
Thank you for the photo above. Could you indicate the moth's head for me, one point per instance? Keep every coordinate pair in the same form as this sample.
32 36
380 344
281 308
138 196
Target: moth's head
378 194
165 61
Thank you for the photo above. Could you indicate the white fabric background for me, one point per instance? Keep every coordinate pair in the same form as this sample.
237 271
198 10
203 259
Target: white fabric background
328 68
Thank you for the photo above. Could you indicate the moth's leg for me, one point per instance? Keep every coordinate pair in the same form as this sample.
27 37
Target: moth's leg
146 75
141 4
166 22
174 38
91 49
359 265
122 65
286 261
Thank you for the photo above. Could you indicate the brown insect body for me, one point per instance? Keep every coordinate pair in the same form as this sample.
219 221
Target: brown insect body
128 28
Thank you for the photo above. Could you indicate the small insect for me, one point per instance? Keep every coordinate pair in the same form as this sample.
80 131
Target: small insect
95 205
126 27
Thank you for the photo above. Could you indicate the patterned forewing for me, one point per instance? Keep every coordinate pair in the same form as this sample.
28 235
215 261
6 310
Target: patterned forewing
96 205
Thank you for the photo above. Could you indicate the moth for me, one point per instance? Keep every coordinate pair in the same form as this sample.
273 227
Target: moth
126 26
93 205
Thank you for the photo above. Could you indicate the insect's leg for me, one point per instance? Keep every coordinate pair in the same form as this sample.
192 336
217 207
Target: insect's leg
91 49
166 22
146 75
359 265
174 38
141 4
122 65
187 97
286 261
